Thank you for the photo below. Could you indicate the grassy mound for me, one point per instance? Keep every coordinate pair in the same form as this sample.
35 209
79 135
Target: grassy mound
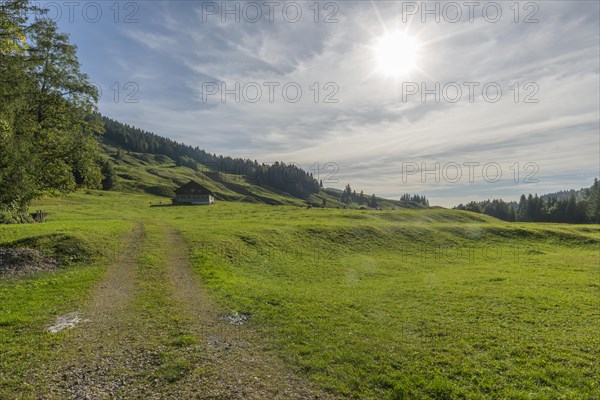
56 248
24 261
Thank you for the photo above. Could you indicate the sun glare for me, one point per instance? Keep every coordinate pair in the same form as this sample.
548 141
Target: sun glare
396 54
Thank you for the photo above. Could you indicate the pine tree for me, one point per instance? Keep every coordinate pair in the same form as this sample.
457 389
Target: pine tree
373 202
511 215
346 194
110 177
593 203
523 210
571 211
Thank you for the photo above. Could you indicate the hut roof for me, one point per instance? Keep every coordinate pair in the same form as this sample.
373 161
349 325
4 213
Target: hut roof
193 187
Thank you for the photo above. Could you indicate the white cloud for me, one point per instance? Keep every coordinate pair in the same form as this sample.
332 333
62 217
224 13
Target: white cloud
371 131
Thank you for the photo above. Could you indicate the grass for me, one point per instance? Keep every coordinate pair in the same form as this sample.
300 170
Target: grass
367 304
410 304
160 316
28 305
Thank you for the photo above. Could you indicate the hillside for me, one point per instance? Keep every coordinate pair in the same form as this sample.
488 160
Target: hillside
145 162
160 175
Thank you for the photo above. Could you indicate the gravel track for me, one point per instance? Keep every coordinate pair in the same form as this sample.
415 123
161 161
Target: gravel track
117 352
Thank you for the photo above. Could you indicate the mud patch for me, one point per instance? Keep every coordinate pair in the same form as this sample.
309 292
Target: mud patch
236 318
66 321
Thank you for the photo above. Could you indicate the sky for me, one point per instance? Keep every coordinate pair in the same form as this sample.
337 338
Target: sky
458 101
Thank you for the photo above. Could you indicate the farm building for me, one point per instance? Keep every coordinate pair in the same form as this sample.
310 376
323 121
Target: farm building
193 193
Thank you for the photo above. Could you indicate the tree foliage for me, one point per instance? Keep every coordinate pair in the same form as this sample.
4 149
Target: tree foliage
414 198
110 179
47 106
593 203
577 207
373 201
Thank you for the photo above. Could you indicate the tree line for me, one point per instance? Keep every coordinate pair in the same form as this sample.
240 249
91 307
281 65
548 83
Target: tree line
350 196
414 198
48 123
576 207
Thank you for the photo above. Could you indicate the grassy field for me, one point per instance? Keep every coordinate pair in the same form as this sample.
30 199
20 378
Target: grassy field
364 304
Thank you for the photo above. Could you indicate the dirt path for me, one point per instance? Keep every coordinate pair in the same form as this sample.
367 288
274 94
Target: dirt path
151 332
86 361
243 368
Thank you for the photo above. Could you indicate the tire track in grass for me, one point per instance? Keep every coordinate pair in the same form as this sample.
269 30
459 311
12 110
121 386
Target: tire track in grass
85 363
127 349
241 367
151 332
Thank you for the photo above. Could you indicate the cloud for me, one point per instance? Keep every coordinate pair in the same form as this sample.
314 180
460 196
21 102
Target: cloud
370 131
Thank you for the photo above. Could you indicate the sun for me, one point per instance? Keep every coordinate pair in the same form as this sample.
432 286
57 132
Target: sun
396 54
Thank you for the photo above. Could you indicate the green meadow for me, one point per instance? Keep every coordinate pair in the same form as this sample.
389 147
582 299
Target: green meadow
403 304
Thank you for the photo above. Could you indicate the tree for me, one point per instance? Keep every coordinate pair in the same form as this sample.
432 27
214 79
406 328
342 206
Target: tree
373 202
110 177
12 18
511 215
593 203
571 211
522 210
346 194
48 120
473 207
65 142
185 161
16 183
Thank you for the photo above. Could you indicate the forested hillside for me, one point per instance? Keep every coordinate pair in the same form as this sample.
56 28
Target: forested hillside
143 161
160 175
284 177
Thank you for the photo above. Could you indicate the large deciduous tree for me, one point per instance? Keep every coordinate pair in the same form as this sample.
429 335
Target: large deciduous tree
48 122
